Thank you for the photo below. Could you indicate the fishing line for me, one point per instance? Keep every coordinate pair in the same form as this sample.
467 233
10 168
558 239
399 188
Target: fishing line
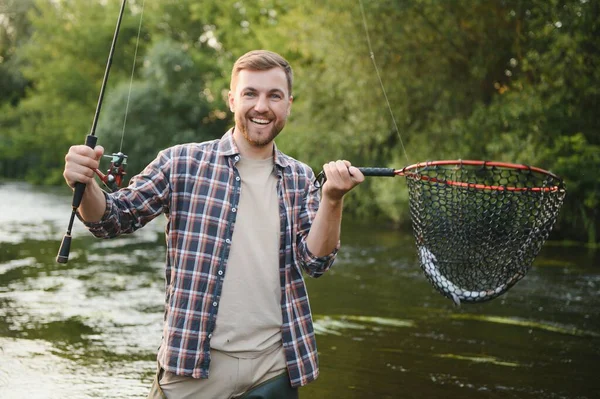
137 42
372 55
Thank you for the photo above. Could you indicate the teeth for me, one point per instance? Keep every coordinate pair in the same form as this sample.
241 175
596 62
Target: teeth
260 121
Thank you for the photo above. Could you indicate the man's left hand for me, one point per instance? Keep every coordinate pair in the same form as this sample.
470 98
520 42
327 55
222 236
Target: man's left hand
341 178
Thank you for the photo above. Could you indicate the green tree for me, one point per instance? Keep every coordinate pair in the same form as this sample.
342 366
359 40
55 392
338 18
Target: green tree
65 59
511 80
170 104
544 113
15 29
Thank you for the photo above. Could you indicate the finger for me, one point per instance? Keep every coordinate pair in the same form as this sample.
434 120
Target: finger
331 171
99 151
80 164
80 168
356 174
72 177
82 150
343 168
338 178
342 175
75 177
84 156
337 171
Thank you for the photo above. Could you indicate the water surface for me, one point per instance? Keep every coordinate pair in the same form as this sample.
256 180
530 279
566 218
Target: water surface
90 328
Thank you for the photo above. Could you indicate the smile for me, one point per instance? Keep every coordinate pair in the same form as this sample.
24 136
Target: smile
260 121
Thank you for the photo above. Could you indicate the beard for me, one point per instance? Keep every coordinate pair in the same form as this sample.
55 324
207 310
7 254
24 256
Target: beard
256 136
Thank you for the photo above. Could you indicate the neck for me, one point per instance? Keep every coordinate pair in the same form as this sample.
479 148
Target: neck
250 151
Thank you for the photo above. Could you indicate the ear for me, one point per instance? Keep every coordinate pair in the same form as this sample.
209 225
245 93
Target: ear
230 99
289 107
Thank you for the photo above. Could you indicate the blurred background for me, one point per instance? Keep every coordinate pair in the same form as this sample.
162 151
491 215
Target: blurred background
513 80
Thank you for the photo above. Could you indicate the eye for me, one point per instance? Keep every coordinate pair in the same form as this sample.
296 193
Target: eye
249 94
276 96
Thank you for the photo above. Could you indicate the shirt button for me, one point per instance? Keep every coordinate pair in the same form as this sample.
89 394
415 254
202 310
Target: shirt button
228 241
237 178
215 303
234 210
209 336
237 158
220 272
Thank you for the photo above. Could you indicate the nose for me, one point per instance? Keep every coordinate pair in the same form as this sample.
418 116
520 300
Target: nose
261 104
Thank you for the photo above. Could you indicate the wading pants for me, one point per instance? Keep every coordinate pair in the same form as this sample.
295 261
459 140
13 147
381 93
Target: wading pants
263 377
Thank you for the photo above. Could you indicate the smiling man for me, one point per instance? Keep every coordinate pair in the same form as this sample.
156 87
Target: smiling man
244 222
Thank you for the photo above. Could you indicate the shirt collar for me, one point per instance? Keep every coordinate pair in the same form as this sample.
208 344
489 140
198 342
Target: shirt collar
227 147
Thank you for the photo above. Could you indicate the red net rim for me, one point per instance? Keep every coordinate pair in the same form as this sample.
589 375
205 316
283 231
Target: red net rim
413 172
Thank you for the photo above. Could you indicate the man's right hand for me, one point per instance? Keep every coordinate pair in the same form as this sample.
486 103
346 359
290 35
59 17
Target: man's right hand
80 164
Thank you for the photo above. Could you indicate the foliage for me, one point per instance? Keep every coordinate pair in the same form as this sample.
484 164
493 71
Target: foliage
14 29
167 106
510 80
578 162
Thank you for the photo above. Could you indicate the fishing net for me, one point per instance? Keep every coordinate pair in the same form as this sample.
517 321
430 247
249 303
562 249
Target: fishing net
478 226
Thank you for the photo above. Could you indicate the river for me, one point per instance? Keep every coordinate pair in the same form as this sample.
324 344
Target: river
90 328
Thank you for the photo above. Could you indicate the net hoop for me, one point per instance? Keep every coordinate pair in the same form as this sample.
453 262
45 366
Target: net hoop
414 171
478 225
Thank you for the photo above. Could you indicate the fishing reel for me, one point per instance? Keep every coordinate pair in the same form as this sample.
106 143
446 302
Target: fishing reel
115 172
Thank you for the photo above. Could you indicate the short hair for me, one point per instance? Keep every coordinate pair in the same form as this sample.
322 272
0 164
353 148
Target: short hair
262 60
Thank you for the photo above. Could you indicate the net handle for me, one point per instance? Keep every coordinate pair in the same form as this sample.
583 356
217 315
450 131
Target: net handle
380 172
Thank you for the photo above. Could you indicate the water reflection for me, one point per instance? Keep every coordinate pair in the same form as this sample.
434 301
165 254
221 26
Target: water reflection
90 328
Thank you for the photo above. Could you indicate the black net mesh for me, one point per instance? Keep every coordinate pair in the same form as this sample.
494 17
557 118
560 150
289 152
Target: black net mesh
479 228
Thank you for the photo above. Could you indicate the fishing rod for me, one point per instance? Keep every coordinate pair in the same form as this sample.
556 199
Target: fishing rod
90 141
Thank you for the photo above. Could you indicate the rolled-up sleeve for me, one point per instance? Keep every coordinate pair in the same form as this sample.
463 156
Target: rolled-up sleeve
315 266
108 226
130 208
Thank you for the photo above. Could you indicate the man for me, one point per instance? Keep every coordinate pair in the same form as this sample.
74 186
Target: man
244 221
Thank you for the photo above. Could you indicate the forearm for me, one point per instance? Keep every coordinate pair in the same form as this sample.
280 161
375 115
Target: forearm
93 203
324 234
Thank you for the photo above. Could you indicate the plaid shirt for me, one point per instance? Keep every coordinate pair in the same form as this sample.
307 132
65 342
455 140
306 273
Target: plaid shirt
197 187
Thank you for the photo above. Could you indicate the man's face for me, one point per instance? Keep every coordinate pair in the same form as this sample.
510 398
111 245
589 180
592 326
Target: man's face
261 104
